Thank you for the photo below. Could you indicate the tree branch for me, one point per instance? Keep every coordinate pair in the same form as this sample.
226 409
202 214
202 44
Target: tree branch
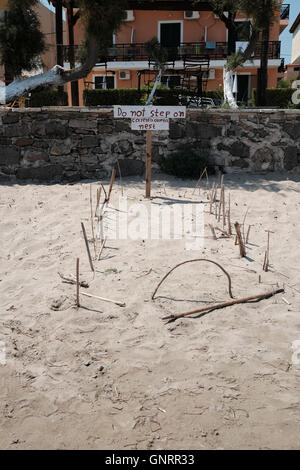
56 76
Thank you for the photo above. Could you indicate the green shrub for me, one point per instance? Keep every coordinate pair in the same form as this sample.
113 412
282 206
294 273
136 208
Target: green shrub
123 96
45 97
277 97
186 163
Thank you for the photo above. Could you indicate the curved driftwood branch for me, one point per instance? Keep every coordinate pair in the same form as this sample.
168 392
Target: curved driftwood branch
193 261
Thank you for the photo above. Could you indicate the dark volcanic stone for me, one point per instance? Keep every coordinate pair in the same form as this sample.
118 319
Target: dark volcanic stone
130 167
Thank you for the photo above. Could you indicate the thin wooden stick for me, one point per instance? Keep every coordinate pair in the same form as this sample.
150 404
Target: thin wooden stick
223 206
248 233
120 175
267 254
199 180
77 283
240 240
210 308
92 219
121 304
112 179
212 197
193 261
98 200
87 247
213 232
229 216
101 249
223 231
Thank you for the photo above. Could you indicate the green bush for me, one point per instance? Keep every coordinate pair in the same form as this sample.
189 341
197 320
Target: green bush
277 97
123 96
45 97
186 163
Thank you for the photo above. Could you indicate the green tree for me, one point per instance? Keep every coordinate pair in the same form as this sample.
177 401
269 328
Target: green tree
21 41
262 14
100 20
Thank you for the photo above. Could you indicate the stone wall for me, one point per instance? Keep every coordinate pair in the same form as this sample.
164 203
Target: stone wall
73 143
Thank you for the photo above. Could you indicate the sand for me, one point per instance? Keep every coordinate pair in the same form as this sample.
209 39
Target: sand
107 377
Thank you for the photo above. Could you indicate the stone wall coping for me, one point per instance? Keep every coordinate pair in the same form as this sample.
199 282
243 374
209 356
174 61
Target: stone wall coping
100 110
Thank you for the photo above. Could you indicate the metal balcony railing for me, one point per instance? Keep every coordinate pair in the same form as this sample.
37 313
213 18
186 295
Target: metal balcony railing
190 50
285 12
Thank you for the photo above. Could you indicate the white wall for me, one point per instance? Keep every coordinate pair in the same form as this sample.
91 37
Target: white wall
296 46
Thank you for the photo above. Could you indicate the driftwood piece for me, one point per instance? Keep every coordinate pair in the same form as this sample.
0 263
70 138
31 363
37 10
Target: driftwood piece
72 280
193 261
210 308
240 240
87 246
121 304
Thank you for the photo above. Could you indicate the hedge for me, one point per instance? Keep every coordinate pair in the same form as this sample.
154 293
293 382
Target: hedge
47 97
279 97
130 96
112 96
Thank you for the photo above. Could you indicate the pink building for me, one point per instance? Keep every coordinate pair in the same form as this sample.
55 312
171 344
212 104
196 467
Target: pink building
197 36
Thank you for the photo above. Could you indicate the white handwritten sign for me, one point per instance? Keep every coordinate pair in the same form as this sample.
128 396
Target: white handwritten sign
149 124
150 118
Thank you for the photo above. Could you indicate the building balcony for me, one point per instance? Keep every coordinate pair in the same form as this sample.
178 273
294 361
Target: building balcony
284 16
202 51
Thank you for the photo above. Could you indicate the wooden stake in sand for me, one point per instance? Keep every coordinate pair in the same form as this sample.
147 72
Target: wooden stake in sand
240 240
101 249
121 304
112 179
266 264
87 247
92 219
248 233
77 283
229 216
210 308
213 232
204 172
148 163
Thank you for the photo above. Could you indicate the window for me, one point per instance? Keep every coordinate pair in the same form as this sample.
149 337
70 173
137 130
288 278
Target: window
104 82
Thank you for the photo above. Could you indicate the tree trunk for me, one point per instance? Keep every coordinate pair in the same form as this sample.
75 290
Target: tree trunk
74 85
262 76
59 44
228 88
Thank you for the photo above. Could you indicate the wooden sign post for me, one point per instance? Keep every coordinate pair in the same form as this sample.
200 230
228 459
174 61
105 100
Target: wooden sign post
148 163
149 118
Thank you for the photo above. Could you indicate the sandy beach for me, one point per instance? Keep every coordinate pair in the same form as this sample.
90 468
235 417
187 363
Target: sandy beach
108 377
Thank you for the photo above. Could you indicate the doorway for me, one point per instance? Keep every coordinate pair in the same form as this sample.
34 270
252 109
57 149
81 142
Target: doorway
243 83
170 37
